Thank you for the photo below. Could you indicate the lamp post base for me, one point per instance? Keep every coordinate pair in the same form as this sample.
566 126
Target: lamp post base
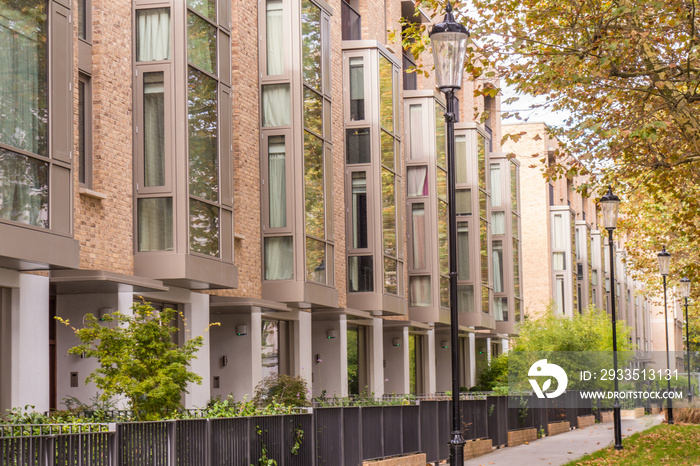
457 449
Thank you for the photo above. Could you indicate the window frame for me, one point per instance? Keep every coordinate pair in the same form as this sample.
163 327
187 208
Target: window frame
85 81
168 150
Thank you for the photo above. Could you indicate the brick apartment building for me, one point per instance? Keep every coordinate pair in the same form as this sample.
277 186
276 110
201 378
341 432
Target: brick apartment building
266 165
566 263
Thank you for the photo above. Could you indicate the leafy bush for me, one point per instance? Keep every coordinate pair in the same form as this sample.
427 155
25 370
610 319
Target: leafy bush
138 359
282 389
494 377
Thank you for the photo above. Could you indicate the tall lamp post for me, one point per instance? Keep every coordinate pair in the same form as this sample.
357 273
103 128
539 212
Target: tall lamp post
664 266
449 40
611 205
685 293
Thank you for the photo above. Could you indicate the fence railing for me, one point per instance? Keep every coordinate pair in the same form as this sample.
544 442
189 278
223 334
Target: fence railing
332 436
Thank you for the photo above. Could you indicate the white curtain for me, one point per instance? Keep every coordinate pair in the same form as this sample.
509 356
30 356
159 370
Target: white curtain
357 89
155 227
420 291
277 181
275 38
465 299
498 223
276 105
461 159
23 189
495 185
154 129
417 129
497 259
418 236
500 308
463 250
153 34
23 88
279 262
418 180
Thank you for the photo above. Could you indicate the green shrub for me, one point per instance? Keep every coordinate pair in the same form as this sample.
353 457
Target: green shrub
282 389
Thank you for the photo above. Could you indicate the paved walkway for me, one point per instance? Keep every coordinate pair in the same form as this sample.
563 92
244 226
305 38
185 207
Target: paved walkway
562 448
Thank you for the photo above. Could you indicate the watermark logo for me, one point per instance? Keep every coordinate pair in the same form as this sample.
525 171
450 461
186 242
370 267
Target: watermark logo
542 369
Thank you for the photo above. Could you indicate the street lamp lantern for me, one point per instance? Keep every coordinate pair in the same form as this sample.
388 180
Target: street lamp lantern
664 266
685 294
664 261
449 40
611 205
685 288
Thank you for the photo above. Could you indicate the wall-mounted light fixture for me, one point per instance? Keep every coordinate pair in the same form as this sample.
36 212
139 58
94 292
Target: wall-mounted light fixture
318 359
444 344
241 330
224 361
103 312
396 342
330 334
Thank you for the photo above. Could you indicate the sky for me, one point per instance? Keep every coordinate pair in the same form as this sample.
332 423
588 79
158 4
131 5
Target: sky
543 115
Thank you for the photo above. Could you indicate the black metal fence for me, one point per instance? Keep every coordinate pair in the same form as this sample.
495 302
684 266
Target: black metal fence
329 436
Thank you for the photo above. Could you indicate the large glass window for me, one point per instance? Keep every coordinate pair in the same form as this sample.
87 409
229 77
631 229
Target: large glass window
201 43
497 254
153 34
357 89
270 350
23 80
359 210
203 132
279 258
24 189
276 103
420 294
155 224
360 273
277 181
154 129
358 146
311 43
417 180
495 185
274 19
463 250
418 236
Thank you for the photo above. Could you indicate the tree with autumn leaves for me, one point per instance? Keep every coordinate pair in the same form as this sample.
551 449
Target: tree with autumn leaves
628 75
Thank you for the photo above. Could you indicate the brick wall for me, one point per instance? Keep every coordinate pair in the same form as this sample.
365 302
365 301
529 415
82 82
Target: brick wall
478 447
105 227
519 437
556 428
412 460
534 201
585 421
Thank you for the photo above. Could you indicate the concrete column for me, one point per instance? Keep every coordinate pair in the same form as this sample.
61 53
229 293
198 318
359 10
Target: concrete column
302 362
28 348
430 385
443 362
330 357
396 361
197 319
472 359
504 346
375 334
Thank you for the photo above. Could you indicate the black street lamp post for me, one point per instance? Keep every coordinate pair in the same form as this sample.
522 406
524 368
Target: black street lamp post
449 41
685 293
610 204
664 266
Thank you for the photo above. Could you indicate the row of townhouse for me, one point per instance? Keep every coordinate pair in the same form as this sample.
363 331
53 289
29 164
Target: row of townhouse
269 166
566 253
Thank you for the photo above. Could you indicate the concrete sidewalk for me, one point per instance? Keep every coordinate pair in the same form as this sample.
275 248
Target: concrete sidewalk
562 448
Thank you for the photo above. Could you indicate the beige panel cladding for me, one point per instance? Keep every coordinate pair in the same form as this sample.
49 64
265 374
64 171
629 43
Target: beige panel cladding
104 227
